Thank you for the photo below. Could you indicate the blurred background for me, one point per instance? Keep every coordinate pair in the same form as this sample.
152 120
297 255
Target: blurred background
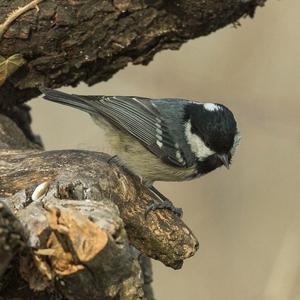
247 219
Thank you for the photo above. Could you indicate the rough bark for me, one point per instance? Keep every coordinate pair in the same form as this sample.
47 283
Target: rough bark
65 42
49 190
161 235
76 249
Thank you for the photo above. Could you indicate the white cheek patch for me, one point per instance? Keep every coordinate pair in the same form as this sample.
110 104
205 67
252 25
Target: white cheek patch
198 147
211 106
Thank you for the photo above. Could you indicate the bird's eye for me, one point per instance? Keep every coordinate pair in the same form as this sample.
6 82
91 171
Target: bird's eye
208 144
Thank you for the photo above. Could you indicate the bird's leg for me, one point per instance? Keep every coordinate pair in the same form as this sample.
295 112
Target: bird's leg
164 204
112 159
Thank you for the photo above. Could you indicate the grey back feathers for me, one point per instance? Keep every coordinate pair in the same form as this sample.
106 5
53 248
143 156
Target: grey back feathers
149 121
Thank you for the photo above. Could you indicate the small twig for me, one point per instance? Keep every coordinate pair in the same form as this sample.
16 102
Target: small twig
15 14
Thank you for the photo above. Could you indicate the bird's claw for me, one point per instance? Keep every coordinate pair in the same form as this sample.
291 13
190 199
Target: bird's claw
164 205
112 159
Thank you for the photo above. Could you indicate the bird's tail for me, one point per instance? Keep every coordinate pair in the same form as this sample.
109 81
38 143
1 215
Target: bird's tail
67 99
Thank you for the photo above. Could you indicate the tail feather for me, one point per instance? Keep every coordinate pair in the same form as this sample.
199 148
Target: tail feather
66 99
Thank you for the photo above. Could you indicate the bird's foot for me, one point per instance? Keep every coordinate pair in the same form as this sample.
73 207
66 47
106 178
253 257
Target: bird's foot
112 159
164 205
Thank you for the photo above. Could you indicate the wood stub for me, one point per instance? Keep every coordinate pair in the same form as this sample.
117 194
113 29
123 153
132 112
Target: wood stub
79 248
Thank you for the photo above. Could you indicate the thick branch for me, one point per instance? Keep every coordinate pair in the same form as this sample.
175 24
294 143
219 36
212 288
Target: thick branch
65 42
88 175
75 249
83 174
76 244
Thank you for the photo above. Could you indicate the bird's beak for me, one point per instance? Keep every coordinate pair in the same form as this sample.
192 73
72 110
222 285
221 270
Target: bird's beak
224 159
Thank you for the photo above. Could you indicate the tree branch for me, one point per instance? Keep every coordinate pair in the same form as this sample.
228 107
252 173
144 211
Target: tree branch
66 42
73 194
162 235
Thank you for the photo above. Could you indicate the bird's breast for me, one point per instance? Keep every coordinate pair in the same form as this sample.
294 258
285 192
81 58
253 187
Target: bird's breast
140 160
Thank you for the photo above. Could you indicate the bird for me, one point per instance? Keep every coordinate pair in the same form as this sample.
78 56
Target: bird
167 139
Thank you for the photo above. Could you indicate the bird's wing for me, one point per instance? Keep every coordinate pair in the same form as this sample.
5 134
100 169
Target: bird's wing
134 115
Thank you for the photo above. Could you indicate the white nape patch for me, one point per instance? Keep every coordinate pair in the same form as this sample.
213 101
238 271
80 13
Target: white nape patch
211 106
197 145
236 142
159 144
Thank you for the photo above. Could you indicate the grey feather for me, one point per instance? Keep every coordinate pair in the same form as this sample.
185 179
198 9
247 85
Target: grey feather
145 119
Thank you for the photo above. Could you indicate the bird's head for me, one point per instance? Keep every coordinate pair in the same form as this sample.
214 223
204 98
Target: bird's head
211 130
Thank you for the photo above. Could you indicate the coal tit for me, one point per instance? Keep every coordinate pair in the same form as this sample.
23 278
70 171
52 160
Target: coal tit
161 139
